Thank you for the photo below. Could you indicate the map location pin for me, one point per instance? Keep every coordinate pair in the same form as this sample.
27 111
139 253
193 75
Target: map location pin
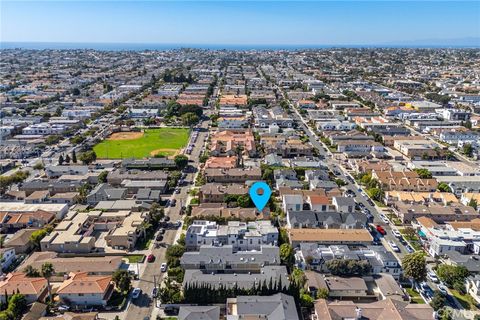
260 194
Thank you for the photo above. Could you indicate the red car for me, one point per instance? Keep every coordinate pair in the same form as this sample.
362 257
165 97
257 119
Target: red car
150 258
381 230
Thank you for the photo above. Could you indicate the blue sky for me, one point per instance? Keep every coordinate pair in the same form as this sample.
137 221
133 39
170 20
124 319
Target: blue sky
239 22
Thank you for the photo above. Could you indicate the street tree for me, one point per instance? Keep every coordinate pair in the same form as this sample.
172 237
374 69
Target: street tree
415 266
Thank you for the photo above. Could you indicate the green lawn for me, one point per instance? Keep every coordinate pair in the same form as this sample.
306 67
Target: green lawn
416 298
465 300
135 258
162 141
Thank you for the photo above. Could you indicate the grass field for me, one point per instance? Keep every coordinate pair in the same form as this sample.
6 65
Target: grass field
163 141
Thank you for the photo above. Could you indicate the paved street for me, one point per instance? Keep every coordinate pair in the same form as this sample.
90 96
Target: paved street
144 305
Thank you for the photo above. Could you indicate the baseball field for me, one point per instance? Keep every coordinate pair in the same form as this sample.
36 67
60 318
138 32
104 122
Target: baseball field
150 142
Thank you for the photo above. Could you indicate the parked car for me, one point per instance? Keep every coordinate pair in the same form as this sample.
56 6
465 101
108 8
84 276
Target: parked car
161 231
381 230
159 237
154 292
177 191
173 203
396 233
409 249
163 267
393 246
443 289
136 293
63 308
177 224
432 276
150 258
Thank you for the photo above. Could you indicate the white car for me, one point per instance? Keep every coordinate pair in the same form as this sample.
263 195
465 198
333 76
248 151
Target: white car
394 246
432 276
396 233
136 293
443 289
384 219
163 267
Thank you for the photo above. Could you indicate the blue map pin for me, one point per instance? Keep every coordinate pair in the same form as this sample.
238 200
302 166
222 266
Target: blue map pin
260 193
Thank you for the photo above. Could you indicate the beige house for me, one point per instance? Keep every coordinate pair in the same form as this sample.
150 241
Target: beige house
81 289
34 289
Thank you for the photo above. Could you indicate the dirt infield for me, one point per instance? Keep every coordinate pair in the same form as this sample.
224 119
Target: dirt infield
165 151
125 135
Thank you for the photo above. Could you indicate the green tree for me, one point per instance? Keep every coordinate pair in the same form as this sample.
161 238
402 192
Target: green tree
450 274
52 139
88 157
415 266
244 201
102 177
473 203
173 254
423 173
467 149
67 159
74 156
376 194
438 300
286 254
189 119
322 293
443 187
298 277
60 159
181 161
348 267
39 166
306 300
122 280
17 305
47 271
31 272
37 236
176 273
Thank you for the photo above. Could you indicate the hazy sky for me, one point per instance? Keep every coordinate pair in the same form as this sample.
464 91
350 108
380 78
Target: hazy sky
238 22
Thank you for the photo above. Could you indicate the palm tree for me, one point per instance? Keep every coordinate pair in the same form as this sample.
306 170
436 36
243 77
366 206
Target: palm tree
144 226
30 271
47 272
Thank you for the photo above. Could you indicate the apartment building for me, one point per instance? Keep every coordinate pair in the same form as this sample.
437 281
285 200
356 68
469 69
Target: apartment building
241 235
234 175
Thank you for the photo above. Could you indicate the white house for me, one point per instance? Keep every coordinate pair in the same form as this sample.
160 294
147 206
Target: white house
472 285
7 256
292 202
81 289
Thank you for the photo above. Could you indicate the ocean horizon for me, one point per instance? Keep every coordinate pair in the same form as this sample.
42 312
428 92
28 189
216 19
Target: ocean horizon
111 46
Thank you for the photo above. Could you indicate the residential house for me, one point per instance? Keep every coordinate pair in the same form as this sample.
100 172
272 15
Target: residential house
199 312
32 288
472 285
279 307
7 257
385 309
82 289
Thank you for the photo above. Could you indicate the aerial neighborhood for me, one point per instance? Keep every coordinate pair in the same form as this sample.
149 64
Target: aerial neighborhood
125 181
